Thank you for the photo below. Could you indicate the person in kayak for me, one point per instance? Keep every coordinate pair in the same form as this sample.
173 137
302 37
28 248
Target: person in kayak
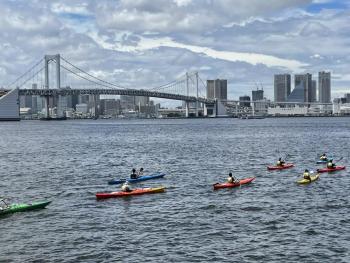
306 175
323 157
140 172
126 187
133 174
330 164
280 162
231 179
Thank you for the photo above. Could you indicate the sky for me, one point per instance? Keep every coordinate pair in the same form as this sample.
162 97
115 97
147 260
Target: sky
144 44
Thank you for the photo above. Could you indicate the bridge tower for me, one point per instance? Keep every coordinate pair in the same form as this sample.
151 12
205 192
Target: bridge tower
188 94
47 60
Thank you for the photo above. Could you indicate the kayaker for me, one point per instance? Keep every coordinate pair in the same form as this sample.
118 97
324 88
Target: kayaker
141 171
231 179
133 174
323 157
307 175
280 162
126 187
330 164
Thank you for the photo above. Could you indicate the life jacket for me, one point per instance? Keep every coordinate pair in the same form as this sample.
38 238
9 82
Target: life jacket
230 179
323 157
126 188
133 176
306 175
279 163
330 165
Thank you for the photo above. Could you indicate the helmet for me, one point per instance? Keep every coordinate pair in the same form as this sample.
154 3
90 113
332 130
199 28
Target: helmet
133 169
141 169
230 174
306 170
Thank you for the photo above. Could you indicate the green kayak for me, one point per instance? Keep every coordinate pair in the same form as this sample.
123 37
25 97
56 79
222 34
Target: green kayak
13 208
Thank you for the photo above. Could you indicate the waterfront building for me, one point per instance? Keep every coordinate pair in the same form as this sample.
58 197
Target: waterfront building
244 101
281 87
217 89
9 106
302 89
257 94
127 102
110 107
287 111
324 87
82 108
313 91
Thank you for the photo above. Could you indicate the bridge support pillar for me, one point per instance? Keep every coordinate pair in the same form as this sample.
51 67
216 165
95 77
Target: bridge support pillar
187 109
205 110
47 107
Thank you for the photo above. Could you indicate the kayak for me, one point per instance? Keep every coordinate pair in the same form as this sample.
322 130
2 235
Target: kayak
228 185
13 208
322 161
140 179
305 181
139 191
337 168
285 166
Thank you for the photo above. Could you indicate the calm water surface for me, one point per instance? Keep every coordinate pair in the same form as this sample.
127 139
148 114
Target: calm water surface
271 220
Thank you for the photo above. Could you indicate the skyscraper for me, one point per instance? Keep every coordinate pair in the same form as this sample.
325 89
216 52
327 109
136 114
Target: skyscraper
257 94
313 91
324 87
244 101
281 87
217 89
303 88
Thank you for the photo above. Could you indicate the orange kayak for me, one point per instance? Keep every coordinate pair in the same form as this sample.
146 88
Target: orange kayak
140 191
228 185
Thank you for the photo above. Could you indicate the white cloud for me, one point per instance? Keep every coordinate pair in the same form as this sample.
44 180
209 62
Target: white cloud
147 43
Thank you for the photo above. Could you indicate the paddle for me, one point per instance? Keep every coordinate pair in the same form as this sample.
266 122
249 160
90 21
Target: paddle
3 200
339 159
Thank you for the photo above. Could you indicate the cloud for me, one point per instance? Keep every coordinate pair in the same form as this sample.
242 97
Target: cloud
143 44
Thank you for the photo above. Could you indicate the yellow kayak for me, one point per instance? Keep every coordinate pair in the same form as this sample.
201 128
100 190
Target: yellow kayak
305 181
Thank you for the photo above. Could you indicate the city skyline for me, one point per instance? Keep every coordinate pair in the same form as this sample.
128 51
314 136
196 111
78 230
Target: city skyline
132 48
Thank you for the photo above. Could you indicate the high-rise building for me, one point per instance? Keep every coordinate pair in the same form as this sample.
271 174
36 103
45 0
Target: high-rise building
313 91
257 94
244 101
324 87
217 89
347 96
127 102
281 87
109 107
302 91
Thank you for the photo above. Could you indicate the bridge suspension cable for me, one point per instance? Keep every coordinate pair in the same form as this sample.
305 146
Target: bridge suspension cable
26 73
88 74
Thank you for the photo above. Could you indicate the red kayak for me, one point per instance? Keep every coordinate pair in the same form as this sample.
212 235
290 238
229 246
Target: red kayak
324 170
227 185
140 191
285 166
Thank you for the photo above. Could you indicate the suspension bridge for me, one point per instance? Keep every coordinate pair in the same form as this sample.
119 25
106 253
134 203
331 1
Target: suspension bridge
55 76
